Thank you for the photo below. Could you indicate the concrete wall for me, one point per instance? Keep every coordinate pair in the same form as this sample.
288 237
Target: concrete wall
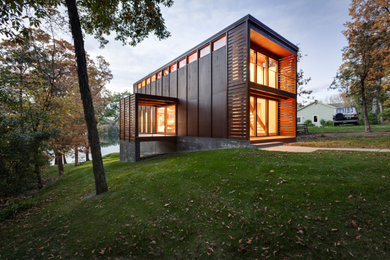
130 152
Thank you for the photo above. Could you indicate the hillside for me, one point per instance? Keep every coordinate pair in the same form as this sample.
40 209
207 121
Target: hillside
227 204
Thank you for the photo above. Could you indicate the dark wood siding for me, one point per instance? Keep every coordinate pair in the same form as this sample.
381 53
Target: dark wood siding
205 96
173 84
159 87
153 88
182 106
219 96
192 101
166 86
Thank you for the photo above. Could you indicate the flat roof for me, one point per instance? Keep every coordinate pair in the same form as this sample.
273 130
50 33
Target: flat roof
269 33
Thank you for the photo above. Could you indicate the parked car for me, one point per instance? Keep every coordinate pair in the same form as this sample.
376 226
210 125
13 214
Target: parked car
345 115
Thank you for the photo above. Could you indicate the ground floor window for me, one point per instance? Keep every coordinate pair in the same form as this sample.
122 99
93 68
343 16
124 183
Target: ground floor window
263 116
166 120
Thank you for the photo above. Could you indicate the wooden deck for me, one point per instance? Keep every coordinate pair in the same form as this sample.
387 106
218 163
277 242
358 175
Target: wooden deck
277 138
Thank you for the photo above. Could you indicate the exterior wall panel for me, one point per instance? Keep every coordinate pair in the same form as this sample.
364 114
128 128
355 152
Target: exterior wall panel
182 106
165 88
219 95
173 84
159 87
153 88
192 101
205 96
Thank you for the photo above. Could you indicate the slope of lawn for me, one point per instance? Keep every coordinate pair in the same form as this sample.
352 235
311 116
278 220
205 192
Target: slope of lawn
240 203
349 128
379 142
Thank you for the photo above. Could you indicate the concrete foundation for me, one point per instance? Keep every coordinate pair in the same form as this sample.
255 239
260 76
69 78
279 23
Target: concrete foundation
131 152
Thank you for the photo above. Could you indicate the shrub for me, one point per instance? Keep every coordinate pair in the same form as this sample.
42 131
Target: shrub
329 123
308 122
323 122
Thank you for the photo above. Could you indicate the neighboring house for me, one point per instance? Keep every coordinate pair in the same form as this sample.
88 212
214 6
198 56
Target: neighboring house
315 112
236 88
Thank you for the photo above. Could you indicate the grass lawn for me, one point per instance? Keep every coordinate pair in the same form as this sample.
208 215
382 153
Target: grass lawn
380 142
349 128
239 203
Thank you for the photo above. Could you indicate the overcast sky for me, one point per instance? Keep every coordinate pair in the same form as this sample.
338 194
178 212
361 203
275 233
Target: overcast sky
315 26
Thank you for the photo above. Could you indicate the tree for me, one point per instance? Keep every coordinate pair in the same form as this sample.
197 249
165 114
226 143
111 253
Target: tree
131 20
302 82
366 57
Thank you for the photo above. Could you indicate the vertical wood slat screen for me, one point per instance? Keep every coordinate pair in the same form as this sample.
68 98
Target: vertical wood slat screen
132 118
121 119
288 73
237 89
127 118
287 117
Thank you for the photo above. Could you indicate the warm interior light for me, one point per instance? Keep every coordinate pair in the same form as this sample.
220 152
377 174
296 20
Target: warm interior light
159 75
173 67
153 78
166 71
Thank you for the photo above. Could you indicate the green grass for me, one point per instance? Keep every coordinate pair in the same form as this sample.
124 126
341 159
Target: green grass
380 142
240 203
348 128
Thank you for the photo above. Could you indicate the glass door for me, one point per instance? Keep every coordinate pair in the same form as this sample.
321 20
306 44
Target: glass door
263 116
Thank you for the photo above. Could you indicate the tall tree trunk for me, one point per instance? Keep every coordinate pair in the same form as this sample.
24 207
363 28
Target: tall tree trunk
59 162
89 113
380 112
37 172
87 153
367 127
76 156
64 158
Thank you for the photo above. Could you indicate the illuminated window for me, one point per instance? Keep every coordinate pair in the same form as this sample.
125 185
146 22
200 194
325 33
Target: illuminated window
263 70
166 71
171 120
147 81
173 67
143 83
219 43
263 117
182 63
153 78
159 75
272 73
161 120
204 51
192 58
139 85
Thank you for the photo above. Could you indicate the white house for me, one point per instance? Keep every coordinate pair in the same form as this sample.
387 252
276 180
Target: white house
315 112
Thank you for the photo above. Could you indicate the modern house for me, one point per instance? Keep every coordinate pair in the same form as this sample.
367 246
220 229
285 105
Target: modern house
234 89
315 112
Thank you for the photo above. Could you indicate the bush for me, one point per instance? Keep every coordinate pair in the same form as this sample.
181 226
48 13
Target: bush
308 122
323 122
329 123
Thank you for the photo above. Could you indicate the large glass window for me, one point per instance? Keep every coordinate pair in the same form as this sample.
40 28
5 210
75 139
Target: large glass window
263 70
263 116
166 120
161 120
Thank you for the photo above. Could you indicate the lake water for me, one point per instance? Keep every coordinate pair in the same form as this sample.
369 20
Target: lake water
105 150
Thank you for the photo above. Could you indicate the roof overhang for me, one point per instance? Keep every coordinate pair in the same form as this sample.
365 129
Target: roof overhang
154 101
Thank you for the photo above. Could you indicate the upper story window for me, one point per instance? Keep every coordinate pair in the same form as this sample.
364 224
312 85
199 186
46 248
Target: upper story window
204 51
153 78
173 67
139 85
182 63
166 71
159 75
263 69
147 81
193 57
143 83
219 43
